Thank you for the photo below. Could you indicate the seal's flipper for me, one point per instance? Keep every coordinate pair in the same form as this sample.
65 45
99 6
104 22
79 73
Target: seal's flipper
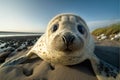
105 71
14 61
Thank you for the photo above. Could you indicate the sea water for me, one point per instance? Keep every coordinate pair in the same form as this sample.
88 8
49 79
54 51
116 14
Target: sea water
10 35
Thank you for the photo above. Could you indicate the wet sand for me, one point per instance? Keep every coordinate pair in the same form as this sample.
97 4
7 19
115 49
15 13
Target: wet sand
37 69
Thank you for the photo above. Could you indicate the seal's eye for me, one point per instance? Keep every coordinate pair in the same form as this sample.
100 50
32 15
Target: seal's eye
81 29
54 27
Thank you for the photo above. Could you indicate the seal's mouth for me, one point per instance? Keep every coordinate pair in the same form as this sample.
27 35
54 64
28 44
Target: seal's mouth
70 43
68 40
67 50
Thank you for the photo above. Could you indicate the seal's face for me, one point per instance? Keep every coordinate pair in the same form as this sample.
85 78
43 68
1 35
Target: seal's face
67 34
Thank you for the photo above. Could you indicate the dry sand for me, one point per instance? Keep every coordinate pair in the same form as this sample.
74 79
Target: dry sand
37 69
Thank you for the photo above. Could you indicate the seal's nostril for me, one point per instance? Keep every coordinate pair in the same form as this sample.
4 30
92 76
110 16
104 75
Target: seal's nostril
72 39
64 39
68 38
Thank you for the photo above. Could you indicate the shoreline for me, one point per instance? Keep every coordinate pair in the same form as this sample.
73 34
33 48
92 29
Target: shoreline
20 37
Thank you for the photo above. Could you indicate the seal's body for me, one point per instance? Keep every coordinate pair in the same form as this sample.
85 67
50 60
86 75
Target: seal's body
67 41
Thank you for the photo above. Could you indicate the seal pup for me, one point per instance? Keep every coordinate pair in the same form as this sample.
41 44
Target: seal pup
67 41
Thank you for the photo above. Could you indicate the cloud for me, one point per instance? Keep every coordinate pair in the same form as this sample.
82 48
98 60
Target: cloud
102 23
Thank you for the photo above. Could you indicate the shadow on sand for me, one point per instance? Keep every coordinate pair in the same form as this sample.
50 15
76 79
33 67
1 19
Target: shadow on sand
109 54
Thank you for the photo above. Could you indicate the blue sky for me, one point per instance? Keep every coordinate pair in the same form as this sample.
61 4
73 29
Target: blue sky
34 15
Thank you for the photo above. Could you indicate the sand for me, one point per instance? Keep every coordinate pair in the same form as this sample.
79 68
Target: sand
37 69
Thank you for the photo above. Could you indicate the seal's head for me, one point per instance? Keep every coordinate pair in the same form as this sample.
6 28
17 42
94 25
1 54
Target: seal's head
67 36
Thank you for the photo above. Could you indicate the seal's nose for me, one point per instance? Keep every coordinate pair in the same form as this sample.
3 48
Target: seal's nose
68 38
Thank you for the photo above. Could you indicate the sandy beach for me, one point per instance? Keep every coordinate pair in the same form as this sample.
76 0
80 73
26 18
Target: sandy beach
37 69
